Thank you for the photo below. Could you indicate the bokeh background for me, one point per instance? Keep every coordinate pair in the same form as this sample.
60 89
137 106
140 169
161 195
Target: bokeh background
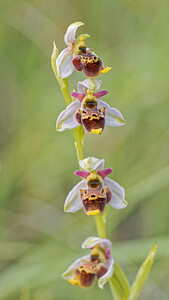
38 240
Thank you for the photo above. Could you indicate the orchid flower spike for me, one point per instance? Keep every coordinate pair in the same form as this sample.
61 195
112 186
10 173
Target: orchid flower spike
77 56
95 190
99 263
88 111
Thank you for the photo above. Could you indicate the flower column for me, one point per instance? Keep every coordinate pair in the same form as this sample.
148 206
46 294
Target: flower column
89 114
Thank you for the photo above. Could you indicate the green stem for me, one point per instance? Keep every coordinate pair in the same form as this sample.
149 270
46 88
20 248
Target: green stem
121 278
101 226
78 136
65 92
115 289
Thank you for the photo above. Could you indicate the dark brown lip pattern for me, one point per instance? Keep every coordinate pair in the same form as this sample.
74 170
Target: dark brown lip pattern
92 119
95 199
89 63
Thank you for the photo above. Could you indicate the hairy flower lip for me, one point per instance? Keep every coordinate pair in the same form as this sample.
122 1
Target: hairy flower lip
89 63
95 198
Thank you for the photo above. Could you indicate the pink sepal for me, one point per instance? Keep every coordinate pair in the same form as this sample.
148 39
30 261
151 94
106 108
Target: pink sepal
82 174
78 96
104 173
100 94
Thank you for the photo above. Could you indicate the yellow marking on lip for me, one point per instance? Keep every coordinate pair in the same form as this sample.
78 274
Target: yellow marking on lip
90 118
97 131
87 268
105 70
89 198
73 281
95 118
93 212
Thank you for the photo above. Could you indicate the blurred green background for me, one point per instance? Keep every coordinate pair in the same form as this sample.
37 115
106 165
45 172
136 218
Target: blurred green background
38 241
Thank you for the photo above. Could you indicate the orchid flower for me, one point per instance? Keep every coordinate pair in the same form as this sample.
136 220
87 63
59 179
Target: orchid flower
98 264
88 111
77 56
95 190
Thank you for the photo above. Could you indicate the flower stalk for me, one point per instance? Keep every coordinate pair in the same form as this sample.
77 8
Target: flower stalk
79 141
101 225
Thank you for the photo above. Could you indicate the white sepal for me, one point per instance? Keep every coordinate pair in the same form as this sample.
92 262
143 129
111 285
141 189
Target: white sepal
102 280
118 194
73 201
71 32
72 268
64 63
113 116
92 241
91 164
66 119
92 84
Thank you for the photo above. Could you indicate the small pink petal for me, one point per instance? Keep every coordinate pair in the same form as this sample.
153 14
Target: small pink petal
104 173
100 94
82 174
78 96
108 255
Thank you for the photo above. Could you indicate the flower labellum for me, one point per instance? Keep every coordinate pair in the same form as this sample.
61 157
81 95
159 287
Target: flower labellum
88 62
94 200
88 115
96 265
95 190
